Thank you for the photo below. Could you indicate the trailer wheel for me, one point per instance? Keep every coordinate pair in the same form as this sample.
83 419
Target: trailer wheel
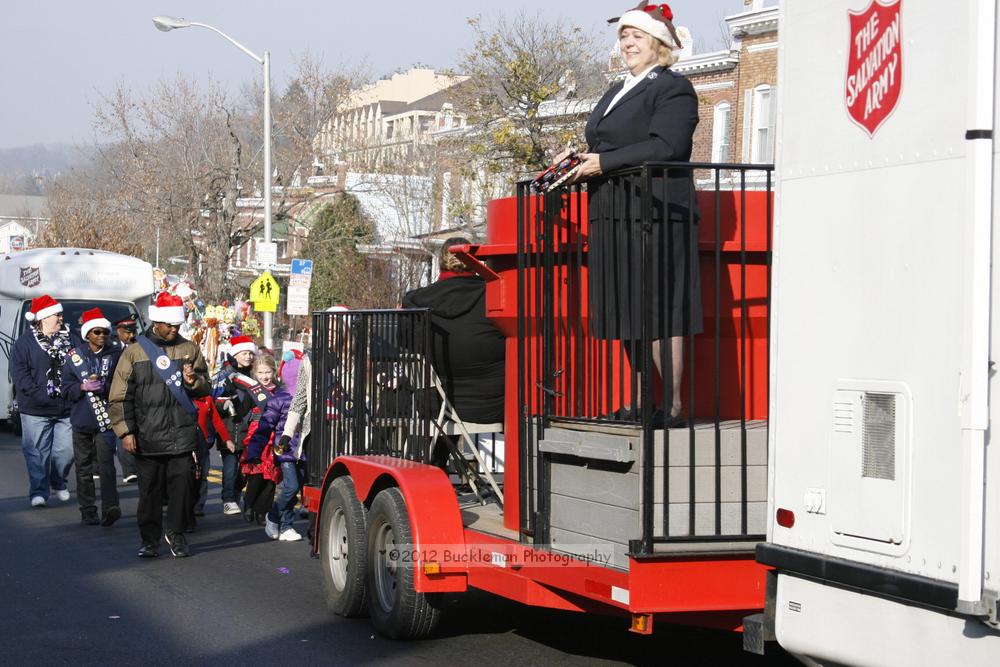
397 610
342 549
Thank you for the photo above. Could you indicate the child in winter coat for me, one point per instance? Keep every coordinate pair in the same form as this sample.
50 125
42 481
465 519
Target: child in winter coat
230 392
278 523
257 461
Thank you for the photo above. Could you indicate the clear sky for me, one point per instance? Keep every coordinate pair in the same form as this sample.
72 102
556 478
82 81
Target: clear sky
59 55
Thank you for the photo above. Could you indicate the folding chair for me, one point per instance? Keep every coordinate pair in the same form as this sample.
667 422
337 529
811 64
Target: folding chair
448 423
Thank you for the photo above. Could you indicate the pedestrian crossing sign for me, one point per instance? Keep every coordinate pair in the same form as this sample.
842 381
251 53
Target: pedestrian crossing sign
264 293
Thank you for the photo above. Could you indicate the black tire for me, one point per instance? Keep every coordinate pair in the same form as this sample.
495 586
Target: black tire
343 547
397 610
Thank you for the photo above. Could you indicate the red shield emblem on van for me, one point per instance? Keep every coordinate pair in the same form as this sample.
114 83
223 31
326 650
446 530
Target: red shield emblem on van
875 65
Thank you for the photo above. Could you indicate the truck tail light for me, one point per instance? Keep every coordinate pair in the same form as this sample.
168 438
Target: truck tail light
786 518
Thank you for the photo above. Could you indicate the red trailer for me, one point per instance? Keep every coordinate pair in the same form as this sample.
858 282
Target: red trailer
594 508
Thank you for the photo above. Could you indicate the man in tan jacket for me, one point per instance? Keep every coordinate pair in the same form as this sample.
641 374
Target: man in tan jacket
153 414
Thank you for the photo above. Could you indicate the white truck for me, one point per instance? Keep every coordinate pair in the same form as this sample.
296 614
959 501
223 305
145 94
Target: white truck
884 482
79 279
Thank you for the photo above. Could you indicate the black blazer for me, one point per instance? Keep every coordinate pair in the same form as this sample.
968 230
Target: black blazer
653 122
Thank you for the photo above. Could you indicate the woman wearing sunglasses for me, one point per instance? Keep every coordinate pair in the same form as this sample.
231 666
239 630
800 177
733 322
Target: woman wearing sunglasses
86 380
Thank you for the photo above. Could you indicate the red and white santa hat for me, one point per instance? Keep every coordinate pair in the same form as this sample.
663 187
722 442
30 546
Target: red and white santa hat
167 308
657 20
239 344
93 319
42 307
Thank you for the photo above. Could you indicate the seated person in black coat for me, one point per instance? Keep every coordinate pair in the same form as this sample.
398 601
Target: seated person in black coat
467 351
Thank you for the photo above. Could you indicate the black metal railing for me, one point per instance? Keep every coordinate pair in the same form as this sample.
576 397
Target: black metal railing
371 387
657 256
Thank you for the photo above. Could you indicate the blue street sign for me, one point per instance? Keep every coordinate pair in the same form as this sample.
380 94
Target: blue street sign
302 267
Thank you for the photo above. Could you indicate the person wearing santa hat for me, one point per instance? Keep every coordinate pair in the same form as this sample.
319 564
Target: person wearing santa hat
650 116
86 380
153 413
236 402
36 362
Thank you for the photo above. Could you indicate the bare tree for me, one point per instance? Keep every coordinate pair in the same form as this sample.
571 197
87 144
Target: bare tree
174 164
527 77
87 213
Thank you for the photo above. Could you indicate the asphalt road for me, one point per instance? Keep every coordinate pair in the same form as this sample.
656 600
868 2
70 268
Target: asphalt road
75 594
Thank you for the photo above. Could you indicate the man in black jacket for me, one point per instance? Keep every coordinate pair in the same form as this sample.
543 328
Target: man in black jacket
152 413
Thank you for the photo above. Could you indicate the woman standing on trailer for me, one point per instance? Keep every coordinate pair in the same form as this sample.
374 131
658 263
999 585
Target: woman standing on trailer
648 117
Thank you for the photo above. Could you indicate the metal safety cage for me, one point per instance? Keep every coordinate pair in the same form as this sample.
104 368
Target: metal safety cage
575 370
371 387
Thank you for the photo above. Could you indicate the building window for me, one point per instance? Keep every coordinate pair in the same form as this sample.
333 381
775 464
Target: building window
759 125
720 132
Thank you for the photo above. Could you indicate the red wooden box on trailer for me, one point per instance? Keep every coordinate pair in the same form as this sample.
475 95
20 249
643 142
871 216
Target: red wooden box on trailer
598 507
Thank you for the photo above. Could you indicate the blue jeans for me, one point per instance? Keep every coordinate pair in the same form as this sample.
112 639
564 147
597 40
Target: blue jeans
283 512
232 478
47 444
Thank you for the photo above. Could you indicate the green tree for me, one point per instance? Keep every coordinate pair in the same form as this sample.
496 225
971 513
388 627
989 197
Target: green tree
341 274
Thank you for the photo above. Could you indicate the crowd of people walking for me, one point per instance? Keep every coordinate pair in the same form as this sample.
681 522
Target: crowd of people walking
84 396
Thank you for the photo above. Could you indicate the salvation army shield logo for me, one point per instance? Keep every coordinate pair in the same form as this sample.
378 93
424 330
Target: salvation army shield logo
31 276
875 65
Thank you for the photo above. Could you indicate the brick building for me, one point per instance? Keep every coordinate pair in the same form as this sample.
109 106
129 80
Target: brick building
737 90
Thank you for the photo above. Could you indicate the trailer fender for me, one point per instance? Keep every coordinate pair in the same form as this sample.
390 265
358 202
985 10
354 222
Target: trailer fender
435 520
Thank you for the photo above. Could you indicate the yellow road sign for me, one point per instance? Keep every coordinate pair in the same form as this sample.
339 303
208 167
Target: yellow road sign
264 293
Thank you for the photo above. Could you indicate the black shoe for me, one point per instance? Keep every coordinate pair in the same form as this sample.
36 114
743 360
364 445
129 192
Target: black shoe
149 551
249 515
660 420
111 515
178 545
261 519
89 518
620 415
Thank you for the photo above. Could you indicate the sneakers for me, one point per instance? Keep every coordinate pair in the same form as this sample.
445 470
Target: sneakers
289 535
62 494
178 545
271 529
148 551
230 508
38 501
111 515
89 518
129 479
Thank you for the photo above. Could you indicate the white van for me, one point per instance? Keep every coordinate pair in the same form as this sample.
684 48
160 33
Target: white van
884 489
79 279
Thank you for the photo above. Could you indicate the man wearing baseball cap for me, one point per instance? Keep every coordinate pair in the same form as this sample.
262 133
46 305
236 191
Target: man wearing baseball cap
36 362
153 414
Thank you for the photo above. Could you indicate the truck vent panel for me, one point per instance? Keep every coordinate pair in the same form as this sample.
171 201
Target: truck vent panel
879 436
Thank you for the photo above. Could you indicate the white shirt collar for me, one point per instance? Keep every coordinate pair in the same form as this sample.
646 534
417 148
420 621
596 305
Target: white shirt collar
631 80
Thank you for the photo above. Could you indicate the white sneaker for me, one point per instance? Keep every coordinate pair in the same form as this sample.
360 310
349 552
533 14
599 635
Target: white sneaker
271 529
230 508
38 501
289 535
63 495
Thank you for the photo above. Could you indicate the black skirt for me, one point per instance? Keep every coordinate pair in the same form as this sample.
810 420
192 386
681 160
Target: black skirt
618 285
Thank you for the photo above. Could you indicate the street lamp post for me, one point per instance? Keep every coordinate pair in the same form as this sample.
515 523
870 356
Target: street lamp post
168 23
